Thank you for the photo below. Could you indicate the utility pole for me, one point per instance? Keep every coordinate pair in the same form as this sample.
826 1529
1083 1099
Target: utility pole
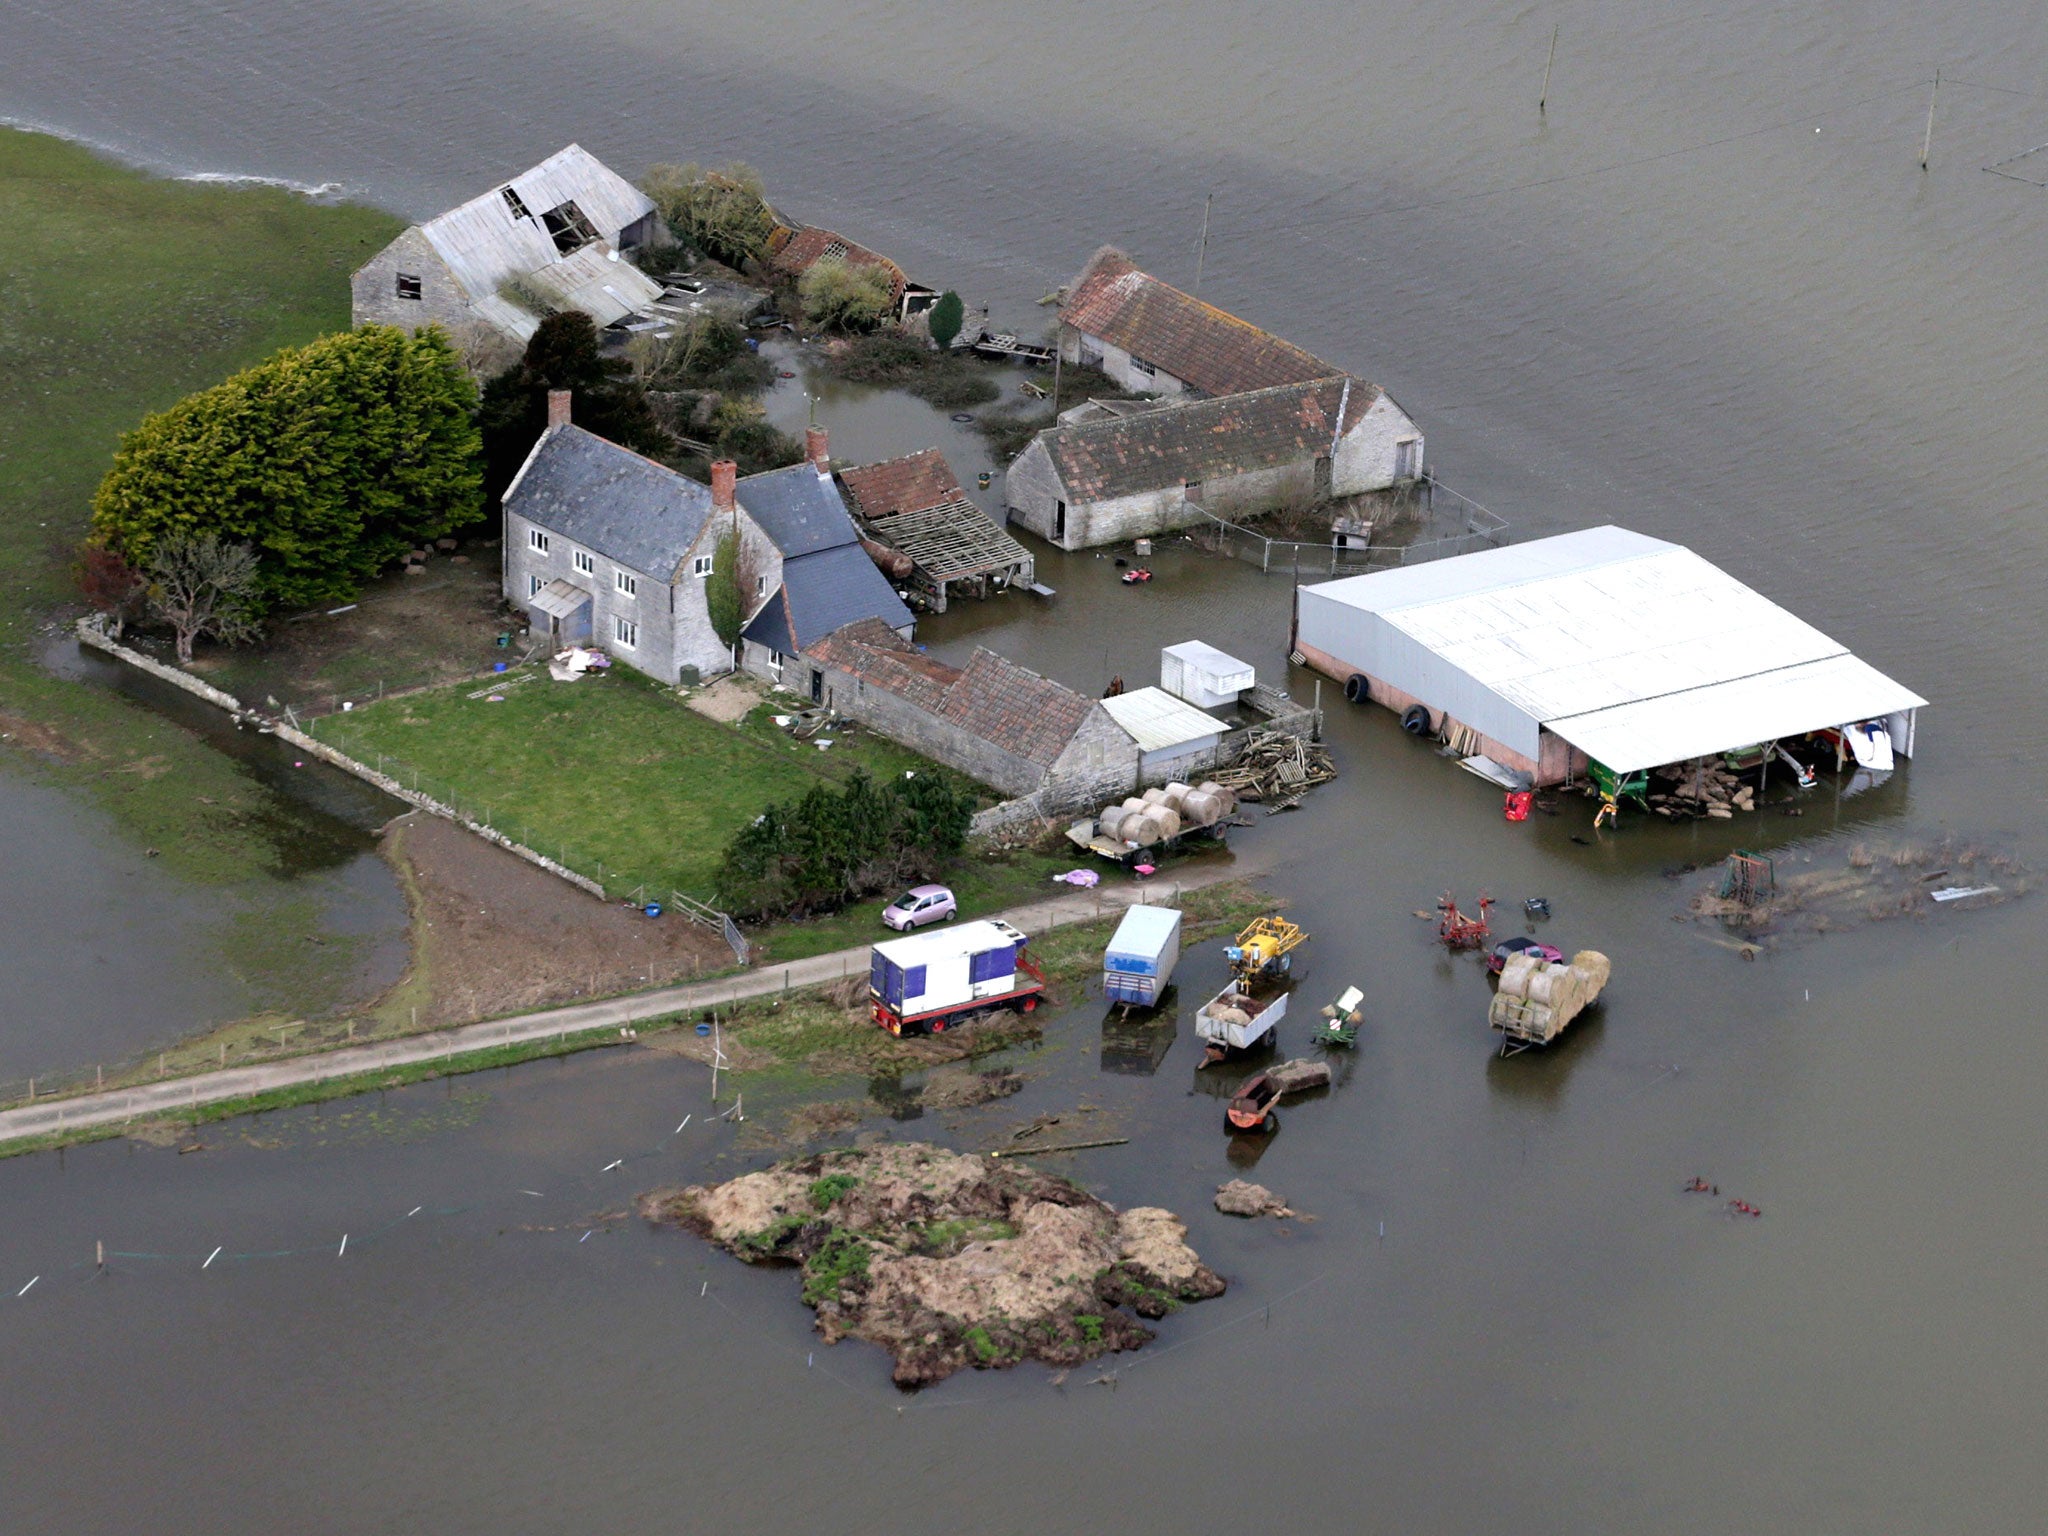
1927 144
1202 250
1059 353
1544 100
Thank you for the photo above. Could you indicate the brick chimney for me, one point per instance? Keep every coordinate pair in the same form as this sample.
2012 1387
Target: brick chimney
558 407
816 451
724 476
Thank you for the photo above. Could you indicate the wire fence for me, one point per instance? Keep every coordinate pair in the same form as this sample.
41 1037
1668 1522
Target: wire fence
1463 525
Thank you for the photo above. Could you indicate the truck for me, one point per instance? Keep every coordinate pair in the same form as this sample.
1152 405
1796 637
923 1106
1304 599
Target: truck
932 981
1139 961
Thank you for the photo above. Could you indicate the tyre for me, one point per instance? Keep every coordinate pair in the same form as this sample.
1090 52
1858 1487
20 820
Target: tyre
1357 688
1415 720
952 914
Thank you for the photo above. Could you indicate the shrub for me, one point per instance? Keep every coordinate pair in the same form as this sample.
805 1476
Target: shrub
722 212
847 296
946 318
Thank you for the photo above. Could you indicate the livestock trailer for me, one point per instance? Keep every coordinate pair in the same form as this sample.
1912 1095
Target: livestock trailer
927 983
1140 959
1242 1014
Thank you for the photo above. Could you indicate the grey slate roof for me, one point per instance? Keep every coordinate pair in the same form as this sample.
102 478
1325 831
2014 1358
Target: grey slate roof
800 510
611 500
821 592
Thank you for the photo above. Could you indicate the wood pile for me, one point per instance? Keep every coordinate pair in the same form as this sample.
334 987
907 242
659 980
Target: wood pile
1276 769
1707 791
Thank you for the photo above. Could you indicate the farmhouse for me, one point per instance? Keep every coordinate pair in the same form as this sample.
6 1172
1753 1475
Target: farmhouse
1115 475
1598 650
548 240
914 507
992 719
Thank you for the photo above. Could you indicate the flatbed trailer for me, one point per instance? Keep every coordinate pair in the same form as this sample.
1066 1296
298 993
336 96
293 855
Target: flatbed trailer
1083 836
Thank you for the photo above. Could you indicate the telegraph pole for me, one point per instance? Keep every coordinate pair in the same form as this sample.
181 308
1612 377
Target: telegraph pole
1544 100
1927 144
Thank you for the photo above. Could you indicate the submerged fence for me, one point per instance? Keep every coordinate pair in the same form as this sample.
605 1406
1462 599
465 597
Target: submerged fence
1460 528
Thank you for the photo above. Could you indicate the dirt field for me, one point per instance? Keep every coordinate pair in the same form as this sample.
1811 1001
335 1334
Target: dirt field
495 935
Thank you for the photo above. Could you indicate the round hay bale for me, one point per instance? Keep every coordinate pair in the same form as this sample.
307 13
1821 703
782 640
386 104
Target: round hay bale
1227 796
1169 821
1201 810
1154 796
1143 829
1135 804
1111 823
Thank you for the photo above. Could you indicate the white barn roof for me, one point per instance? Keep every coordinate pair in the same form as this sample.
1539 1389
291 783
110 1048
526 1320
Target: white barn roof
487 242
1636 651
1155 719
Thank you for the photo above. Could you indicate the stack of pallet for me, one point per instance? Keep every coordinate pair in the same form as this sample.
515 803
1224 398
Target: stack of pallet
1705 790
1276 768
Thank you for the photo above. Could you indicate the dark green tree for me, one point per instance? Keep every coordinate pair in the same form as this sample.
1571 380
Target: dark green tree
946 318
562 354
328 460
722 590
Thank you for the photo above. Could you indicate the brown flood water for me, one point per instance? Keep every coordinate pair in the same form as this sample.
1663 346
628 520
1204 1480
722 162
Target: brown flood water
1674 305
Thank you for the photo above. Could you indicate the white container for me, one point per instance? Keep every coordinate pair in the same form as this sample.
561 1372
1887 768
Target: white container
1241 1015
945 967
1204 676
1139 961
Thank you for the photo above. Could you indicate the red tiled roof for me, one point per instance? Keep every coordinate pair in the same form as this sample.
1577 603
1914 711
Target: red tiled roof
811 245
909 484
1026 715
873 652
1021 712
1122 456
1206 347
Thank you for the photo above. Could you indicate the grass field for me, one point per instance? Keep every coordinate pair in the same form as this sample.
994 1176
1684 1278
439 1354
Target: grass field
613 775
120 293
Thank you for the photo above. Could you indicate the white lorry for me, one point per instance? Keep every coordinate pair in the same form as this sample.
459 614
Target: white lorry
930 981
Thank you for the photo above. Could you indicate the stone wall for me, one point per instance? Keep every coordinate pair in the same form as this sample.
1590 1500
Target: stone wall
373 288
1365 458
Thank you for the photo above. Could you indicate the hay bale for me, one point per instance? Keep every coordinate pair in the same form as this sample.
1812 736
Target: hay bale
1134 804
1514 976
1169 821
1154 796
1202 810
1111 823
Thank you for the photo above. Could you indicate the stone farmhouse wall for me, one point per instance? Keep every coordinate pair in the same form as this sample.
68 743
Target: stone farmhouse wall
374 287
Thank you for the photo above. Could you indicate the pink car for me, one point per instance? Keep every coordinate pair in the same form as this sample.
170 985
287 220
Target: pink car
919 905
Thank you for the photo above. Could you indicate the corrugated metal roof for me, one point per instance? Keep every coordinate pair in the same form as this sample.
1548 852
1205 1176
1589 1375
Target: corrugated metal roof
1226 670
1155 719
599 282
1626 636
1812 696
559 598
486 243
798 508
611 500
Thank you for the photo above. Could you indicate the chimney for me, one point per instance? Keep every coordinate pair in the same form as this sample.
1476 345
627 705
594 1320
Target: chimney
724 476
558 407
815 450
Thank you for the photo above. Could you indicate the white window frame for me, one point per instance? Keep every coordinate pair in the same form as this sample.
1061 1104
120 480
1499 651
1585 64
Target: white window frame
701 566
625 632
627 583
584 561
760 586
775 664
533 586
1139 365
537 540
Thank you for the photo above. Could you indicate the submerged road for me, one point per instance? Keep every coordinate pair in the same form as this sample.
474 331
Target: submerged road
183 1093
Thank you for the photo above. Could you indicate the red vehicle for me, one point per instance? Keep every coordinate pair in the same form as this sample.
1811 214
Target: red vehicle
1519 944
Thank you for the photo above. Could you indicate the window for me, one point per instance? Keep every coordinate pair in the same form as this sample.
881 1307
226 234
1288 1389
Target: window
1139 365
775 663
626 583
536 540
515 205
701 566
626 632
568 228
533 586
408 286
760 586
582 561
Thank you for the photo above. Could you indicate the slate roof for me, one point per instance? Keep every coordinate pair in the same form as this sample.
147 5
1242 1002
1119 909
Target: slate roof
873 652
821 592
611 500
797 508
1030 716
1206 347
1122 456
909 484
811 245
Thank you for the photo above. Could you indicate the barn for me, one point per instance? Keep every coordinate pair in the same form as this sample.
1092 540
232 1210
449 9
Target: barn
1603 649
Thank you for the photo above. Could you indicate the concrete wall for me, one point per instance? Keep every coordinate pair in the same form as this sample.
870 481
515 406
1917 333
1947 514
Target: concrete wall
373 289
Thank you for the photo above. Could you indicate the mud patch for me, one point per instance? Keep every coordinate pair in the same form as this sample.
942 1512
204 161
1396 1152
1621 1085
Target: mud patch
951 1260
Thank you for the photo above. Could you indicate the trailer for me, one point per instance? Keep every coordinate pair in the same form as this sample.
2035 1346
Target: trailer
1085 836
932 981
1538 998
1139 961
1241 1015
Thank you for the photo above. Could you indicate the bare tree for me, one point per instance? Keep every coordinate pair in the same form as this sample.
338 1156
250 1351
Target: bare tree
200 585
485 350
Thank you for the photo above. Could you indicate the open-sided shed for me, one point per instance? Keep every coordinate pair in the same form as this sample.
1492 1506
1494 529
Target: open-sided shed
1604 645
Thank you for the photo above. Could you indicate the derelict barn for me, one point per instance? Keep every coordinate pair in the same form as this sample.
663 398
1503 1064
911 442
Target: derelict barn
914 508
1600 649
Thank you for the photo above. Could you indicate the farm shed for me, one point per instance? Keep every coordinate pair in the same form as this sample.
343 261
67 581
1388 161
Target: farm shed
1602 646
1206 677
1175 740
914 506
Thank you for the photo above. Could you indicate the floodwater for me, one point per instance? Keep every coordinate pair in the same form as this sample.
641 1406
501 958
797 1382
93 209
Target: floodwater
1710 295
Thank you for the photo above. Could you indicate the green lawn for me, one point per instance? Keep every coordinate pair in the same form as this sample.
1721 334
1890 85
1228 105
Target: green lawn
613 775
120 293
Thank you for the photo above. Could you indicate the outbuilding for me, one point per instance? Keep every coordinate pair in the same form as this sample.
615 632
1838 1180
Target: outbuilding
1602 647
1175 740
1204 676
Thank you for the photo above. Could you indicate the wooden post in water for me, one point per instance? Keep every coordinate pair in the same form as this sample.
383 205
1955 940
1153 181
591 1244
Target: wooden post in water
1927 143
1544 100
1202 250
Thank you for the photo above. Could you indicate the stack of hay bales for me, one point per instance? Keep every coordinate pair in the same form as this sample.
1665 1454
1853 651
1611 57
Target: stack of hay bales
1538 998
1164 813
